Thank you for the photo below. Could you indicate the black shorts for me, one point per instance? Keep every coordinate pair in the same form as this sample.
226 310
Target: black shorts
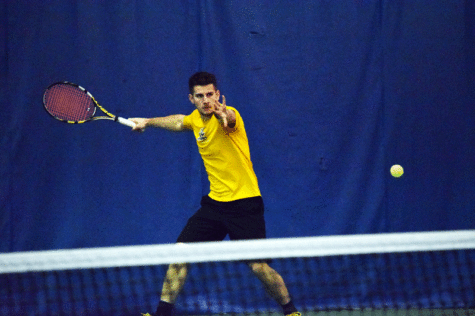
240 219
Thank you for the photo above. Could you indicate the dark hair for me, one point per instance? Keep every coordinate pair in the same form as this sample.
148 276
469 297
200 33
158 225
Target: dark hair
202 79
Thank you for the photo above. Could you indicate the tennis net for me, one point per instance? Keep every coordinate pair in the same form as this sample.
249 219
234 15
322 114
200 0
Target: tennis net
427 273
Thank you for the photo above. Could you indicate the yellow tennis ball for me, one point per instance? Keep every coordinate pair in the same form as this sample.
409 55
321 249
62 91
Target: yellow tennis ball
397 171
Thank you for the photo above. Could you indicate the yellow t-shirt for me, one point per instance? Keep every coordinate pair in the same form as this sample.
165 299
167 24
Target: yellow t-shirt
226 157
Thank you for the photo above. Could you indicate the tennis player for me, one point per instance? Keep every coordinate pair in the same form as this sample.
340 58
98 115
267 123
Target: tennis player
223 145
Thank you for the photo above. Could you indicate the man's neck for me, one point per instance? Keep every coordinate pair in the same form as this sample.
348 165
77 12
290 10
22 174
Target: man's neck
206 118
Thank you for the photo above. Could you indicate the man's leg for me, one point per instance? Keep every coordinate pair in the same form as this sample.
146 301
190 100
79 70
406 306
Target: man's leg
172 286
274 285
174 281
199 228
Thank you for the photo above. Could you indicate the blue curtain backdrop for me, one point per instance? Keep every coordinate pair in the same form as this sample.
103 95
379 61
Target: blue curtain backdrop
332 93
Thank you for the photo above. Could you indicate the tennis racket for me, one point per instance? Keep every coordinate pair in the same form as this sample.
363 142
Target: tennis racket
70 103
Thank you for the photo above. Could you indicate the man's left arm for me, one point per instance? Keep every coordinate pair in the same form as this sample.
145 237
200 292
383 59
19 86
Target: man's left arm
226 117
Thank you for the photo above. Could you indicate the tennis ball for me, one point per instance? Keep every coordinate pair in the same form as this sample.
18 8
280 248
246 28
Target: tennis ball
396 171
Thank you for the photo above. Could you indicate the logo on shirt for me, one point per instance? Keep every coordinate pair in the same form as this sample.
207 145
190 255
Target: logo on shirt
202 136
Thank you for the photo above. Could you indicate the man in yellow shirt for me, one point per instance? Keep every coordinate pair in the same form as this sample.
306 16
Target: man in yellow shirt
223 145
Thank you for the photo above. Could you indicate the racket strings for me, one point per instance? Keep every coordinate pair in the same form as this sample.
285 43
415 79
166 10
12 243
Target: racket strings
69 103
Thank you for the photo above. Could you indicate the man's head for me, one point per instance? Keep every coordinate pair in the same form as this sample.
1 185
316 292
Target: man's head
203 92
202 79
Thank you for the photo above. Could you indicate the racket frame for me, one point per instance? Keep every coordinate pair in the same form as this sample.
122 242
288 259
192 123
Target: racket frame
109 116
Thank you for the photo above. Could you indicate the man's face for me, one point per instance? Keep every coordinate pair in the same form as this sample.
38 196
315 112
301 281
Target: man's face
204 98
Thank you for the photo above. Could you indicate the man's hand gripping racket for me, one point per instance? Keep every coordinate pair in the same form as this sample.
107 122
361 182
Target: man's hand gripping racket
72 104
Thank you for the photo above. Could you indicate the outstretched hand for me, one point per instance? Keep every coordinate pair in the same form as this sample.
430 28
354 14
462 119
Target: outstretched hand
221 112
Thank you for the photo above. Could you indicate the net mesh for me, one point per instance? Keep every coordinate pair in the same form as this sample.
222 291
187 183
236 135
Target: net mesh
423 274
68 102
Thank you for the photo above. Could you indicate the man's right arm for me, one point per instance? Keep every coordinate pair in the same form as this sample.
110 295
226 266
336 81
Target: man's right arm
172 123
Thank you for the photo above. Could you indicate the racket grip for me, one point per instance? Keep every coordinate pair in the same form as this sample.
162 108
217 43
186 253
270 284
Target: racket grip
126 122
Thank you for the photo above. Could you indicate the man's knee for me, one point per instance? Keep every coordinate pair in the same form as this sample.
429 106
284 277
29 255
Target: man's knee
258 267
178 266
